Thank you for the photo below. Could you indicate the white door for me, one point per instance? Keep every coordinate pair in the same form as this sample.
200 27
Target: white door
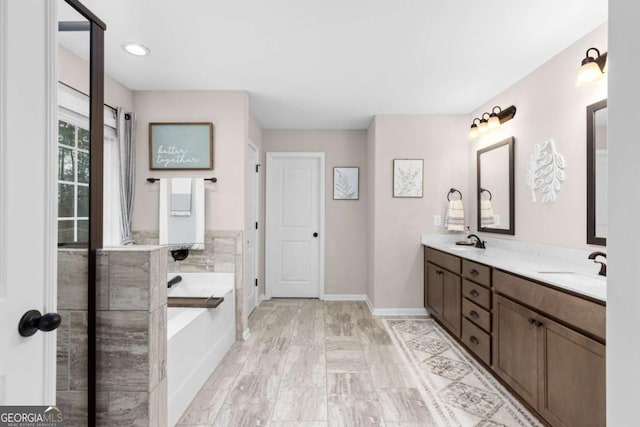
295 218
27 198
252 227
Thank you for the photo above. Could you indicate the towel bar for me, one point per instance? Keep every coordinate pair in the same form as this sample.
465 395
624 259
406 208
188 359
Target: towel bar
152 180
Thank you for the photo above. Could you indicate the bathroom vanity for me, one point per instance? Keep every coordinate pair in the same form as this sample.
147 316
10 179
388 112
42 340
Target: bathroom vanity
536 322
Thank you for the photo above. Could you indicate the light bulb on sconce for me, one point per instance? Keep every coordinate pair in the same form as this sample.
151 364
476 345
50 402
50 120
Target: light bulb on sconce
483 127
494 120
474 133
592 68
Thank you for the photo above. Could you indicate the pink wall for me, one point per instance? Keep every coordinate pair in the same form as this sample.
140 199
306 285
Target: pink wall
228 110
346 221
396 267
549 106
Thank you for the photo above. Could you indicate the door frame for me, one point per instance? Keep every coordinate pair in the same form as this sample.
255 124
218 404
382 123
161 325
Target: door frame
256 197
271 156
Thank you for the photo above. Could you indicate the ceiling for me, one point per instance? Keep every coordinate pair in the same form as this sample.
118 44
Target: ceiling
333 64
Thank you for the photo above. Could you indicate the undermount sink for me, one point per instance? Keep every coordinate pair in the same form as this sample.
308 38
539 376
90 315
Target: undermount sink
572 277
462 248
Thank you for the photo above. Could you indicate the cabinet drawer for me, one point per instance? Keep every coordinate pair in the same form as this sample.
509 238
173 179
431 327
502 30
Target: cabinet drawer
450 262
477 272
476 314
581 313
477 340
476 293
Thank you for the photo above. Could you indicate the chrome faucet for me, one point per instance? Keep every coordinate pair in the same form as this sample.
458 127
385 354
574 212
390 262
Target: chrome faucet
603 266
479 242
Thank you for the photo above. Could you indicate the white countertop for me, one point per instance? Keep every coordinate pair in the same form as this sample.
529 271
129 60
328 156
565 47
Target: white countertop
560 267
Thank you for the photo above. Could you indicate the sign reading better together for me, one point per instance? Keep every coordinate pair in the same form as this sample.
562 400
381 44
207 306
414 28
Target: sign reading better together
180 146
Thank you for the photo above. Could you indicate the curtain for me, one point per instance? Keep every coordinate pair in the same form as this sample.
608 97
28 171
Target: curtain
127 156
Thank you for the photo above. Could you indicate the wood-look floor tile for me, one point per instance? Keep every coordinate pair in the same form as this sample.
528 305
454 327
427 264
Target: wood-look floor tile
297 424
204 408
351 385
245 414
403 405
390 375
354 412
305 367
254 388
371 332
346 361
264 364
301 404
224 376
343 345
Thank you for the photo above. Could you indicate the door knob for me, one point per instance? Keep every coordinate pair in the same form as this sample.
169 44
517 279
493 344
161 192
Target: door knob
33 321
315 234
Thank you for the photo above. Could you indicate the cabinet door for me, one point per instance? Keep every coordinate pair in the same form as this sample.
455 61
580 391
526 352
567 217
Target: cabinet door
572 384
452 301
433 289
516 347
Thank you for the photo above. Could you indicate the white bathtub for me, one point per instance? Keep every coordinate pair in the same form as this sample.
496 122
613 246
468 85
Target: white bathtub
198 338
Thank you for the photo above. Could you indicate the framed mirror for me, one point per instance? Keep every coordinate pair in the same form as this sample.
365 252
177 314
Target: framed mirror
597 159
496 183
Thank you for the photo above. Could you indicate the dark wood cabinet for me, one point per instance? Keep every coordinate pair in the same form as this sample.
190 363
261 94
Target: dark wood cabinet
557 370
433 289
451 301
516 348
443 289
547 344
572 381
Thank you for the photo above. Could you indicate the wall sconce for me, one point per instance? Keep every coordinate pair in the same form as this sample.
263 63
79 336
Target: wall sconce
496 118
592 69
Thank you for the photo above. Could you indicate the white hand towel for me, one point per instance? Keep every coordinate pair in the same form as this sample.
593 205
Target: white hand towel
454 217
486 213
181 196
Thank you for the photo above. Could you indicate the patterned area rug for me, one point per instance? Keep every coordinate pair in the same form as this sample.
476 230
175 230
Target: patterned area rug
458 390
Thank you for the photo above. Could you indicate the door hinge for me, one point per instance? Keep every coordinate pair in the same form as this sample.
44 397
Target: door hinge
256 225
257 167
256 282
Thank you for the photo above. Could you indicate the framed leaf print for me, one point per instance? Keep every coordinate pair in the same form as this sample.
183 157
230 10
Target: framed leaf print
407 177
346 183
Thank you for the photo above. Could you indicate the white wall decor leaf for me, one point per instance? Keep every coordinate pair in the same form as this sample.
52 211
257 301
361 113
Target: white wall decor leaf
407 177
346 183
545 171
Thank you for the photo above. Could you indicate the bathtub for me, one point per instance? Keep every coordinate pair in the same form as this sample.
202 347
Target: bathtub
198 338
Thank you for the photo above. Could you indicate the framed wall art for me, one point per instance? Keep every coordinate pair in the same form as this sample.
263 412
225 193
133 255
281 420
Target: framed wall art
181 146
346 183
407 177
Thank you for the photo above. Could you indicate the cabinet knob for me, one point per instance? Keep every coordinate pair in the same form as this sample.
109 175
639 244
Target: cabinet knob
474 314
474 272
474 340
474 293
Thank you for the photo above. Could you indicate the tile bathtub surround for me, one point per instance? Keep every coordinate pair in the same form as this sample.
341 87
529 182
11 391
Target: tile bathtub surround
222 254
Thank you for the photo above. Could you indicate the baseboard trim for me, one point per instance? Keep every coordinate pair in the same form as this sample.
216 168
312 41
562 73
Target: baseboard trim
344 297
399 312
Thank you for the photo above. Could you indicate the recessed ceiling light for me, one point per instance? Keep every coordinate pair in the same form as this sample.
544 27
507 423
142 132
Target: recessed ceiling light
135 49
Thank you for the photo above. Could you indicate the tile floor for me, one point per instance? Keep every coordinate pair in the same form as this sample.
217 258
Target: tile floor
311 363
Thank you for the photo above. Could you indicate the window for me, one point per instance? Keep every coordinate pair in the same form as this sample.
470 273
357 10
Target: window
74 171
73 183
